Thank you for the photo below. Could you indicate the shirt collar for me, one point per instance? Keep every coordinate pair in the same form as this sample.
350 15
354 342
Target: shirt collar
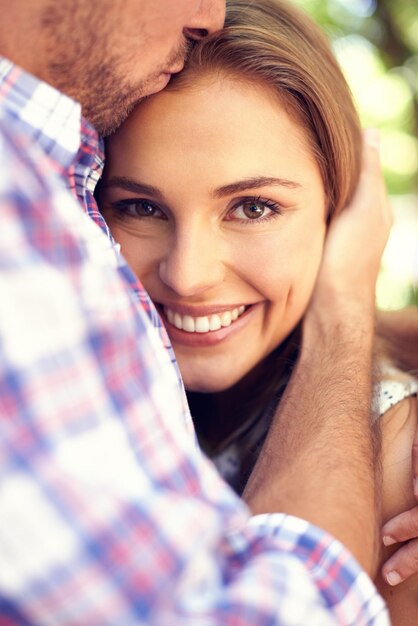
51 118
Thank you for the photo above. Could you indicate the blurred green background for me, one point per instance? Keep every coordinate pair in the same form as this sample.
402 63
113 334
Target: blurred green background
376 43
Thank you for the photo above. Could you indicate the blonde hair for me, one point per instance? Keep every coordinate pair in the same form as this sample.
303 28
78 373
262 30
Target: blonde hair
272 43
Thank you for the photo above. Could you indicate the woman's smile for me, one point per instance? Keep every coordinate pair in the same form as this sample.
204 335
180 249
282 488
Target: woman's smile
203 323
205 330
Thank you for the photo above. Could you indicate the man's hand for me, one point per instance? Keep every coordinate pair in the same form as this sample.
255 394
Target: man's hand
324 418
357 237
403 528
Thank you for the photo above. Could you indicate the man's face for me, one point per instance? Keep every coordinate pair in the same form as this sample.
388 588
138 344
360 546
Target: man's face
108 55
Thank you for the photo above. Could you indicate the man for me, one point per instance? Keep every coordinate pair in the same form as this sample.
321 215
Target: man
109 514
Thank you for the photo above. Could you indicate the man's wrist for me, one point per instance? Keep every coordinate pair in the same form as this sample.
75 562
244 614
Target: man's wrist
336 316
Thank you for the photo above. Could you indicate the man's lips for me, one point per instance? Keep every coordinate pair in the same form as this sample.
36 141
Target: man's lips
175 69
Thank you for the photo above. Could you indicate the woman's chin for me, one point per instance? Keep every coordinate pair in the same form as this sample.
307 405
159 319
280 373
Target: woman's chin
205 387
207 384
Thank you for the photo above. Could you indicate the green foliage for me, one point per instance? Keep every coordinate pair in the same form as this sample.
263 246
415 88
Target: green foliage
376 42
413 297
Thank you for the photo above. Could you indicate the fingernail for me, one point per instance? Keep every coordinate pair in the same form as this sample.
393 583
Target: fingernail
372 137
416 487
393 578
388 540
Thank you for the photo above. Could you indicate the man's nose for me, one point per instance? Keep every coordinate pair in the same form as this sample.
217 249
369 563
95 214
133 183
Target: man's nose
207 20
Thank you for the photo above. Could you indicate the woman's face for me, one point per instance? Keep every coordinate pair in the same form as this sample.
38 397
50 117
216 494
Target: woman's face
219 207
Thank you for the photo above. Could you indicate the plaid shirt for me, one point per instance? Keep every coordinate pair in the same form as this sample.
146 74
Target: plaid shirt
109 514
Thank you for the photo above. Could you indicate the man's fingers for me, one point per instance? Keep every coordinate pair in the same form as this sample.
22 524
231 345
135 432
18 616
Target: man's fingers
372 164
402 564
370 201
366 194
401 528
415 463
371 157
371 137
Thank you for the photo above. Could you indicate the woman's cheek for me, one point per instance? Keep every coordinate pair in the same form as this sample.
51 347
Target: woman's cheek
291 267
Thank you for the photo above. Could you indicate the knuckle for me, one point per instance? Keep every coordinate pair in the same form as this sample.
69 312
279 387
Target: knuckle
410 563
404 561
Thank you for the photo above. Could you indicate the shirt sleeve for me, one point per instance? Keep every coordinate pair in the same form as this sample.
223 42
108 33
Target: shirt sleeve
109 514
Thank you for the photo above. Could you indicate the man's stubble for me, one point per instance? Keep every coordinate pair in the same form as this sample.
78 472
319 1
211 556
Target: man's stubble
83 62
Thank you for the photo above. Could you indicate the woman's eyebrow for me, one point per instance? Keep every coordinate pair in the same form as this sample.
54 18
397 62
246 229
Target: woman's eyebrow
130 184
254 183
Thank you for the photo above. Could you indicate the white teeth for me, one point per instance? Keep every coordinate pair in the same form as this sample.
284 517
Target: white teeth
188 324
203 324
178 321
226 318
215 322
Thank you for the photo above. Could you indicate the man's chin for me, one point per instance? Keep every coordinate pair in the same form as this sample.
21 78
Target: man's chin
108 118
158 84
108 121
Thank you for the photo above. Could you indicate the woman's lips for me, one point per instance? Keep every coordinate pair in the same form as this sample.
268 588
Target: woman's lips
204 330
203 324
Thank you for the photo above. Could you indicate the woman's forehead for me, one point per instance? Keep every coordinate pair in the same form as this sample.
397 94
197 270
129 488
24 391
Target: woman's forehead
225 114
214 136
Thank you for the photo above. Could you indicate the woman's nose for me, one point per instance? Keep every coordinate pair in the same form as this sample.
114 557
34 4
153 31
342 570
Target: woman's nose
192 265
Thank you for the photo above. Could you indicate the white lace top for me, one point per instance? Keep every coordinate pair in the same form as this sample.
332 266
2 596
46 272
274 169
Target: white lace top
394 388
235 458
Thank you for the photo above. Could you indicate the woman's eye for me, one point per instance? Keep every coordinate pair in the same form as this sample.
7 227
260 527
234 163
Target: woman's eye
254 209
138 208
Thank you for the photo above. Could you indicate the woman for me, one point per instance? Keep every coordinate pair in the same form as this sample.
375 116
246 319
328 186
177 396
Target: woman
223 211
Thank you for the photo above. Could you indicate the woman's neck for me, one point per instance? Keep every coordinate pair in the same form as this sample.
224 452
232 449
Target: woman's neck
217 415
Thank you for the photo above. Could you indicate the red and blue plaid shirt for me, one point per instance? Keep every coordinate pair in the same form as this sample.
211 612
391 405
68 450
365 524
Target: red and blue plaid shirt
109 514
